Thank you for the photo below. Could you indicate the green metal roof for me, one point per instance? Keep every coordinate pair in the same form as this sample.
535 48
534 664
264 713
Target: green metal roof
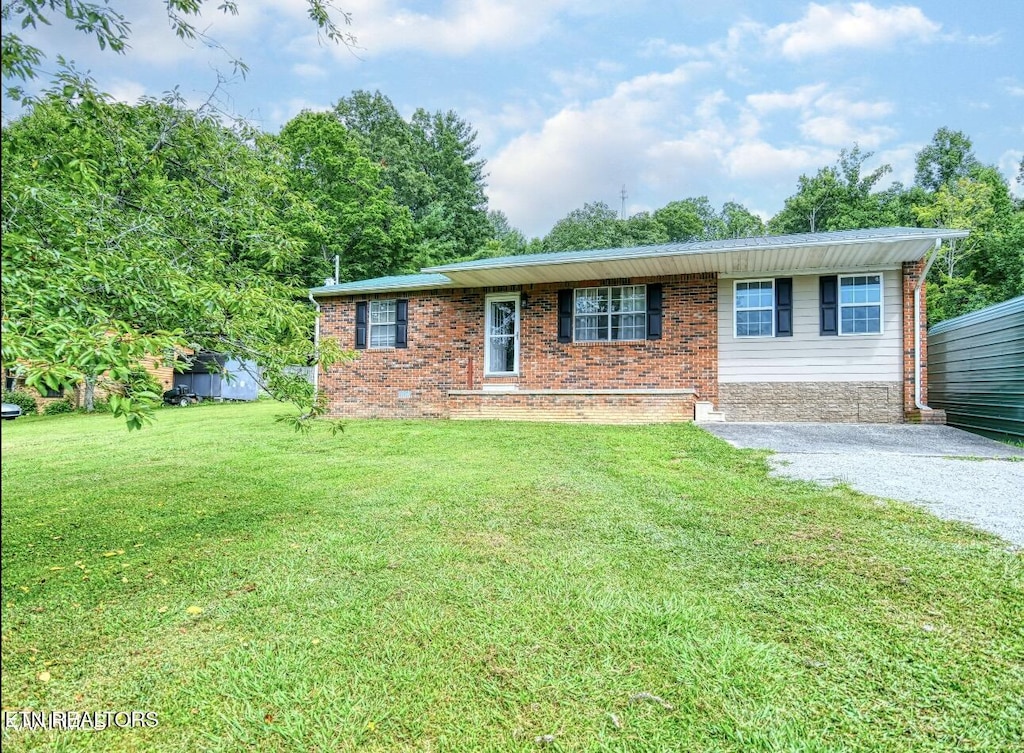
995 311
695 247
799 253
421 281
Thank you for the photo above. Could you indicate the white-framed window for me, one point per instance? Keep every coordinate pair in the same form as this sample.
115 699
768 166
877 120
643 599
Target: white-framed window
501 325
755 308
611 313
860 304
383 324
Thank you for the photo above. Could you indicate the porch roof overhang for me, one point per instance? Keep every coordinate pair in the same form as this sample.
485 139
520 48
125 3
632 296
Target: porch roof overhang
790 254
806 253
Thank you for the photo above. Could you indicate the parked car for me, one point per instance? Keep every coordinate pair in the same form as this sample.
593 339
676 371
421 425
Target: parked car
11 411
181 397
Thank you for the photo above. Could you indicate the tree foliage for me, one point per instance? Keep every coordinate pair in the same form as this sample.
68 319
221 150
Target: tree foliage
431 164
134 232
111 30
596 225
837 197
949 157
347 211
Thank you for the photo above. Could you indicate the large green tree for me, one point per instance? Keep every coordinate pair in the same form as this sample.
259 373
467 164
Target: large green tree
948 157
354 216
838 197
133 231
739 222
595 225
431 163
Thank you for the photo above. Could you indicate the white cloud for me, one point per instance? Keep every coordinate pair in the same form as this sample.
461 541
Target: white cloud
282 112
839 131
800 98
585 78
759 160
1009 166
1013 88
902 159
837 103
586 152
459 28
826 28
309 70
664 48
125 91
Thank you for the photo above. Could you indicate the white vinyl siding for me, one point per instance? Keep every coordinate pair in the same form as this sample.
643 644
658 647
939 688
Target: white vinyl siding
807 356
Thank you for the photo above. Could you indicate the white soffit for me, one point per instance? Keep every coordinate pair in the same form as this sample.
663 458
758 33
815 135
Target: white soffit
786 257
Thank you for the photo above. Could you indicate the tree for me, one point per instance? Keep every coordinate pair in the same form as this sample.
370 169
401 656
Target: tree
838 197
130 232
948 157
508 240
987 266
681 221
963 204
641 229
431 163
354 216
112 31
740 222
596 225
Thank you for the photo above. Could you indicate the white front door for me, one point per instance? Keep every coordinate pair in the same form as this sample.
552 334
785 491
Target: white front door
501 346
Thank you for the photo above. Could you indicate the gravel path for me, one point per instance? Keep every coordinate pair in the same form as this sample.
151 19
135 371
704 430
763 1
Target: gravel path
952 473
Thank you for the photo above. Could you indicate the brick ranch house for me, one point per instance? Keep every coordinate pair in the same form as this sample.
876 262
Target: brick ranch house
812 327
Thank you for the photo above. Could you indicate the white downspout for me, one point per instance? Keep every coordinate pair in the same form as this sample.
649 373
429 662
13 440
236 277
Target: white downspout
917 325
316 348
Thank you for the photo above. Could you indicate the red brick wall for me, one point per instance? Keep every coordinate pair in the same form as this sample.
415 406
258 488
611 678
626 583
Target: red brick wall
446 349
911 274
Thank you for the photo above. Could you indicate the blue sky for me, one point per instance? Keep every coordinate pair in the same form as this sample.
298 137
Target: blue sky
572 99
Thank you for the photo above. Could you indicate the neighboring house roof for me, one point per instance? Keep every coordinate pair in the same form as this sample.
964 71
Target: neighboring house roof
846 250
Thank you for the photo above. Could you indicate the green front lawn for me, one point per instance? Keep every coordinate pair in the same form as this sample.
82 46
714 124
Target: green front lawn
445 586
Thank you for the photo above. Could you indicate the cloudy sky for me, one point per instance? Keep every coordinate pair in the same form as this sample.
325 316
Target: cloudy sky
574 99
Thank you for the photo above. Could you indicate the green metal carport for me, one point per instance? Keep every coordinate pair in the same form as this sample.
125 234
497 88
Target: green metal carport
976 370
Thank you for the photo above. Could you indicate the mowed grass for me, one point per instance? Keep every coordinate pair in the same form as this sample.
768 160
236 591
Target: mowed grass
447 586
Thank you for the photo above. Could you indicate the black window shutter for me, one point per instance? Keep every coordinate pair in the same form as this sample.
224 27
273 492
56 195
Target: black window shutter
654 311
829 305
784 307
565 305
361 324
402 323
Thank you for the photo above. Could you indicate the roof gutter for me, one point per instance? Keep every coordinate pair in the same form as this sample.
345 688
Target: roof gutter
917 324
316 349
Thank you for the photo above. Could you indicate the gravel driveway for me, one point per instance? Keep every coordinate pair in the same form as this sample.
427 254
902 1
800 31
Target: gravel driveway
952 473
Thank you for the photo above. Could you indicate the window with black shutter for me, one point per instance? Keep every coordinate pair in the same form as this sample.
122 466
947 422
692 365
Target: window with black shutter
361 324
784 307
565 304
402 323
654 311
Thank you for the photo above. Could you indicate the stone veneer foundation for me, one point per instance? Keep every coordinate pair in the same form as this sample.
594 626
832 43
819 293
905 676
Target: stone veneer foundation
831 402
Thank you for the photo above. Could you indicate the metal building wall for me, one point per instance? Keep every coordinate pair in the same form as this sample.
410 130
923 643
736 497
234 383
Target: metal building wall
976 370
